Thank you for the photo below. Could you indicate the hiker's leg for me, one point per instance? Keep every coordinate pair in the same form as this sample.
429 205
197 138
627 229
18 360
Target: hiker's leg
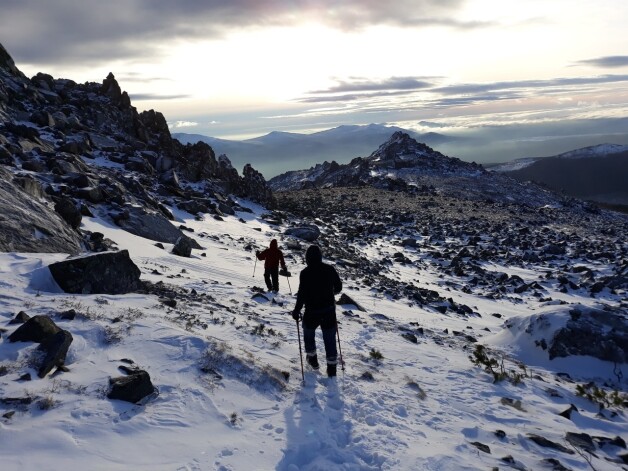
331 354
269 285
309 340
275 276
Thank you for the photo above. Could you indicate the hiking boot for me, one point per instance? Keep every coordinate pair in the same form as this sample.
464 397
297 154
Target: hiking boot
313 362
331 370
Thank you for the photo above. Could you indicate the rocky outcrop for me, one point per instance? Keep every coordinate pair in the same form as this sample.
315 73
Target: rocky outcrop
104 273
405 165
7 63
28 225
254 186
86 144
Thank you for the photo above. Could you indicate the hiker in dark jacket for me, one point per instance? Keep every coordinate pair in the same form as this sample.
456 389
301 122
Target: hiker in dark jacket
272 257
318 283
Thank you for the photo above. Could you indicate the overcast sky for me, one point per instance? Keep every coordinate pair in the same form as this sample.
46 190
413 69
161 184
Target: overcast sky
520 71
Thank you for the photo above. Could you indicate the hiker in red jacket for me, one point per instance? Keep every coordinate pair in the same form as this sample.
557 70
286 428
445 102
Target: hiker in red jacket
272 257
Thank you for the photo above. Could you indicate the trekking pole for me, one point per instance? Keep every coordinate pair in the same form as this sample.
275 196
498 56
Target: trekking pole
342 362
300 353
254 266
288 278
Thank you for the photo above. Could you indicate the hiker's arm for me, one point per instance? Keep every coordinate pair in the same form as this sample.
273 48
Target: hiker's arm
282 261
337 282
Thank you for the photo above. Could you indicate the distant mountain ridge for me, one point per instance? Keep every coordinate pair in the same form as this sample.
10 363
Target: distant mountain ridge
402 163
598 173
278 152
600 150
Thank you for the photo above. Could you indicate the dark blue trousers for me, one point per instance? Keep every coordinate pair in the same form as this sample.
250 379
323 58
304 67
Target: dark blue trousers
327 321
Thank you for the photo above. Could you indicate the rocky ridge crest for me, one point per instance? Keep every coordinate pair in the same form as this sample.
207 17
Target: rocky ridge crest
402 163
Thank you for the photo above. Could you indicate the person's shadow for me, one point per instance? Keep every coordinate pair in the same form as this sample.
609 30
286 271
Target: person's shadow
317 437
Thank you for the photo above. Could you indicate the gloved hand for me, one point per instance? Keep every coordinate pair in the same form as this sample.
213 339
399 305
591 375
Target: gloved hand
296 315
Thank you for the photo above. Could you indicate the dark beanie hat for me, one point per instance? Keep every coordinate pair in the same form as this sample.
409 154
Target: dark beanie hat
313 255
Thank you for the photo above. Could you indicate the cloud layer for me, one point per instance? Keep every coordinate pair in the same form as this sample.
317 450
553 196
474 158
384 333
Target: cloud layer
426 92
607 62
43 31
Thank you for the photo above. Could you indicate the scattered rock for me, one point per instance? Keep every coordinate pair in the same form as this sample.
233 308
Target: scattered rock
581 440
183 246
346 299
567 413
410 337
545 443
132 388
481 447
554 464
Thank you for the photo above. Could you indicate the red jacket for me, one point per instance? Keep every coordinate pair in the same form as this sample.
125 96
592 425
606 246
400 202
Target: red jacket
272 256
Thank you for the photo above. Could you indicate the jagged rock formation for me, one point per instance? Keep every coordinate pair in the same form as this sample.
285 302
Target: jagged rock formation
402 163
86 150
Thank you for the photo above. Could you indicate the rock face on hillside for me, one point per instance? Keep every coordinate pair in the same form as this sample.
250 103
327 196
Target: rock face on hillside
402 163
29 224
84 149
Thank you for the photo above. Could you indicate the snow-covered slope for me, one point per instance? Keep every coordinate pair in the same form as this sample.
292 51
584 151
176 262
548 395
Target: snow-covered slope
600 150
218 359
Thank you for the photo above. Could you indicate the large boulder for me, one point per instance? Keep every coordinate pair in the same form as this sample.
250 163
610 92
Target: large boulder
103 273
